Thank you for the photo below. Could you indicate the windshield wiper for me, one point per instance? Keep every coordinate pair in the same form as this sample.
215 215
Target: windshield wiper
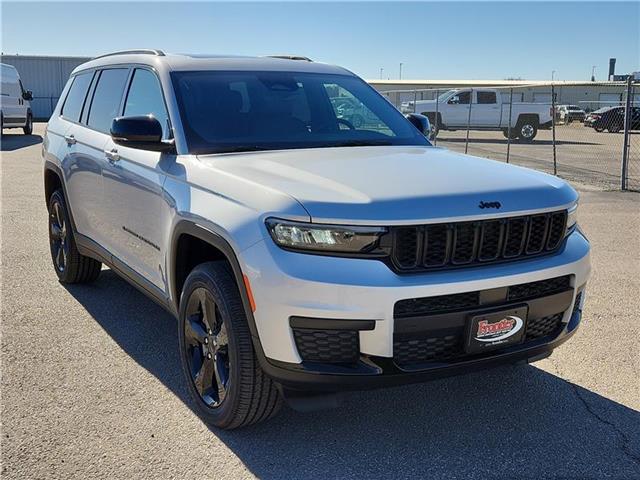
241 148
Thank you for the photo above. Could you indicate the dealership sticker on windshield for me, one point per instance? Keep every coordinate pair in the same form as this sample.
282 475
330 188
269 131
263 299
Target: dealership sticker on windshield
492 330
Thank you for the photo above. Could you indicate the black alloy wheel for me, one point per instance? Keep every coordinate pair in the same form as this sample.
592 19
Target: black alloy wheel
207 348
58 235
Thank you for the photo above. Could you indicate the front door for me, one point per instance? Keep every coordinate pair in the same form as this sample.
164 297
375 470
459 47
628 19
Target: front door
456 112
139 214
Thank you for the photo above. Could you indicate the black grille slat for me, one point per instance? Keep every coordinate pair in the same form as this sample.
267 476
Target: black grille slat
327 346
514 243
490 241
405 251
436 250
448 245
557 227
464 243
537 237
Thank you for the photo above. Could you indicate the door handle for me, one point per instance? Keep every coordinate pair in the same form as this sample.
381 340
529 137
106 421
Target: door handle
70 139
112 155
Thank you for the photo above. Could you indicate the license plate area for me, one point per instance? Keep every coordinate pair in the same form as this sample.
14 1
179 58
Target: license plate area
490 330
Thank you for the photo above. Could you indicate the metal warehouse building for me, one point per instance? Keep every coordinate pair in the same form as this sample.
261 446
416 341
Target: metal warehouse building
588 95
46 77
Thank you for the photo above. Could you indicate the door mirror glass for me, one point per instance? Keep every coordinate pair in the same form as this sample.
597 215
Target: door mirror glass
143 132
27 95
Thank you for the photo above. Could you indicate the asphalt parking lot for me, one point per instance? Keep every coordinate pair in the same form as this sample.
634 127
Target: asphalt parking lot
91 386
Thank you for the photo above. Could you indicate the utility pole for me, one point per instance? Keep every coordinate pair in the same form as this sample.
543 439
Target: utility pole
553 75
593 73
381 70
400 70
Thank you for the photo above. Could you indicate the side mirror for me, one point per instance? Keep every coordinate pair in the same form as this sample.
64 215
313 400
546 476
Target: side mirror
143 132
454 101
420 122
27 95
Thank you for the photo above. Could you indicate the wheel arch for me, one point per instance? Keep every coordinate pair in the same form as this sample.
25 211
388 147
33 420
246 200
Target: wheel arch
528 116
192 244
52 180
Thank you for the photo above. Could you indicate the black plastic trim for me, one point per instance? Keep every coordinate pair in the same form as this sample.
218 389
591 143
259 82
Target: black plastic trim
331 324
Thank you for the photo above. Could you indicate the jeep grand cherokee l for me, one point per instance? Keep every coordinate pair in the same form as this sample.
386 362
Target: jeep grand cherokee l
303 255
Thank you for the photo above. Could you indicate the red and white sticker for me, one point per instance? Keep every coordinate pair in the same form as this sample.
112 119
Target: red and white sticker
498 330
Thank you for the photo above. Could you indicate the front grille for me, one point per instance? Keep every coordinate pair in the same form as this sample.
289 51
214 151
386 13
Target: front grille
448 345
447 245
415 307
439 304
543 327
422 350
541 288
327 346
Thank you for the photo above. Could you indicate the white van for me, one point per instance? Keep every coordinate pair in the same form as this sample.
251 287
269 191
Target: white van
15 109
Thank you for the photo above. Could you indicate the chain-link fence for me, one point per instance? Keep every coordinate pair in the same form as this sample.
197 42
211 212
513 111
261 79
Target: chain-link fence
546 127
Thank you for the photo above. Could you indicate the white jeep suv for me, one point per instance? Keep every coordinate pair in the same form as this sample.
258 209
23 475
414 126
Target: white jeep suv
302 254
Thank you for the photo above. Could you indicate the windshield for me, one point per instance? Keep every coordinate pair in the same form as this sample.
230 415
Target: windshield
248 111
445 95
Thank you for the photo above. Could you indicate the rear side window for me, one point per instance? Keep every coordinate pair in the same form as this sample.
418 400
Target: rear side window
75 98
486 97
145 98
105 105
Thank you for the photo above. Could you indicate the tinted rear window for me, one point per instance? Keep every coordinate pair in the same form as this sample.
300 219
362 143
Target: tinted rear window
105 105
75 98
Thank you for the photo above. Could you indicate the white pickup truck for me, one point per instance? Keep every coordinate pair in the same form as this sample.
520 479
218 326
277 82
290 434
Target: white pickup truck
483 109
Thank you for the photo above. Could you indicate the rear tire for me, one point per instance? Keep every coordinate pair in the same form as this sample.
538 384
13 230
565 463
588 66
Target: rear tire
224 378
28 128
527 130
69 264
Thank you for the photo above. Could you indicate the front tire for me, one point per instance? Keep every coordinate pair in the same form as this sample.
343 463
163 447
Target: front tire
28 128
69 264
227 384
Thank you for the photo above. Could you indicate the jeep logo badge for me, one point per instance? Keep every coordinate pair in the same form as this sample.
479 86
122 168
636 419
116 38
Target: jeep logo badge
489 205
500 330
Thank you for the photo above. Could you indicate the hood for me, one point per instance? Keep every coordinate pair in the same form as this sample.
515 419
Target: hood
396 184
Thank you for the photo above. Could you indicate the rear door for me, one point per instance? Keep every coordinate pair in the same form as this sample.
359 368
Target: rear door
91 138
485 111
82 171
139 213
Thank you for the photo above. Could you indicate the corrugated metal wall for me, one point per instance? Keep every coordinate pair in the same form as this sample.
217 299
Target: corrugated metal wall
45 77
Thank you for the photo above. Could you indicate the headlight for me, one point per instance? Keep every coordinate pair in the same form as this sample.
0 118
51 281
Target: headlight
572 218
324 238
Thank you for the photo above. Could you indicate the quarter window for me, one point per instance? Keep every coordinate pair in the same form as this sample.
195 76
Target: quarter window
75 98
145 98
106 98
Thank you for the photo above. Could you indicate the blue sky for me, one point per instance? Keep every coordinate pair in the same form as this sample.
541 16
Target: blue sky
434 40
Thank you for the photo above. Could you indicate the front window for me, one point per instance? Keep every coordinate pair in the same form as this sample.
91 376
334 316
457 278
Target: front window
248 111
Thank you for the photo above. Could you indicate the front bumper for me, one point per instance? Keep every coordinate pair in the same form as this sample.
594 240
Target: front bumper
286 284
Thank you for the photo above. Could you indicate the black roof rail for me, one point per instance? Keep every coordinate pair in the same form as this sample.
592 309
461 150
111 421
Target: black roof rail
141 51
291 57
